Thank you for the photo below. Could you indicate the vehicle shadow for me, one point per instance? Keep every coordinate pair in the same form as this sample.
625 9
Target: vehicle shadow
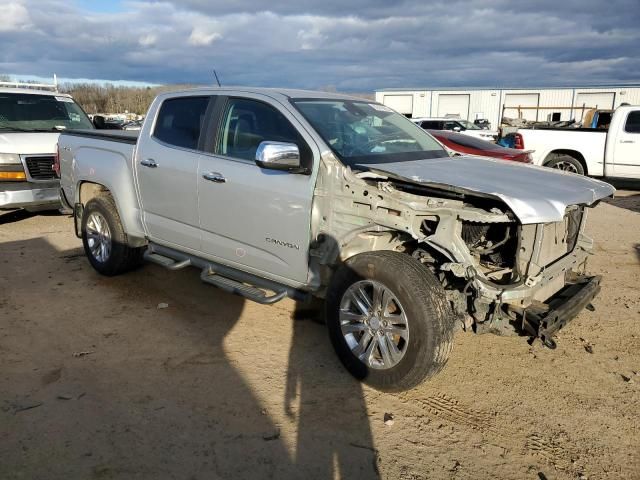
625 184
99 382
334 438
12 216
629 202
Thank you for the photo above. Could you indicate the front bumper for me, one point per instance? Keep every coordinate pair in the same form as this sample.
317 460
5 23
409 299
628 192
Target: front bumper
544 320
31 196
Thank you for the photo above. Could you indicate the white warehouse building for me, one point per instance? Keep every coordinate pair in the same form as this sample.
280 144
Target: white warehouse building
537 104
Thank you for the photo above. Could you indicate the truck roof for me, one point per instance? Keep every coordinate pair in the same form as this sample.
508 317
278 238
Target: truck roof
272 92
32 91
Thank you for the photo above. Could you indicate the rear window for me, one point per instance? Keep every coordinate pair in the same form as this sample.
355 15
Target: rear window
633 122
430 124
180 120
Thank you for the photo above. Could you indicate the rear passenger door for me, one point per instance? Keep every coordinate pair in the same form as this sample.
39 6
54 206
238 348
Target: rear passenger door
166 165
251 218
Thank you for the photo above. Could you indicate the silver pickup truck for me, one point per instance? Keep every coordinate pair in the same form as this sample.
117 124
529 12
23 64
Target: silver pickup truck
281 193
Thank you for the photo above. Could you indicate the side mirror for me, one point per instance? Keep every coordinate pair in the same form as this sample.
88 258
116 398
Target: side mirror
457 129
278 156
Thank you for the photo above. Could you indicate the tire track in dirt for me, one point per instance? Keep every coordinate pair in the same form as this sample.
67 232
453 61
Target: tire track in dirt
549 450
505 435
450 409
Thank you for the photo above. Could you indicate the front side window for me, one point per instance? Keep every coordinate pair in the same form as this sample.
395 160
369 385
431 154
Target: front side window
368 133
180 120
33 112
246 123
431 125
633 122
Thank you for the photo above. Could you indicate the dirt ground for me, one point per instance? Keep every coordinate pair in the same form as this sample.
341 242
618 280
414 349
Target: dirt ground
97 382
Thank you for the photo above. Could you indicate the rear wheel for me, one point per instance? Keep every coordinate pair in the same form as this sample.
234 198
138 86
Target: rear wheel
389 320
566 163
104 239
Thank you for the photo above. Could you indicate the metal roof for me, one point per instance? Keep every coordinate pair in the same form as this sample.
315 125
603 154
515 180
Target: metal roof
559 87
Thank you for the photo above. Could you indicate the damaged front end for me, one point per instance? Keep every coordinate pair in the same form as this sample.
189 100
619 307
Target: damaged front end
500 275
545 285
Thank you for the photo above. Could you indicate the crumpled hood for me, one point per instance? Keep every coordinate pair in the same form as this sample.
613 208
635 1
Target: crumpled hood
534 194
24 143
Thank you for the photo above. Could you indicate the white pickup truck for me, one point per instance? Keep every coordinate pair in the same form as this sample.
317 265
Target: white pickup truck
612 153
30 122
285 193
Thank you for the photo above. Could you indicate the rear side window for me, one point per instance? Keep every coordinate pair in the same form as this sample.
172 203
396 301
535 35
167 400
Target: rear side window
180 121
633 122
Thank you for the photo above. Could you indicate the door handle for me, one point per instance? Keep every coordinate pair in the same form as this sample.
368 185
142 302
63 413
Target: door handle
214 177
149 162
627 141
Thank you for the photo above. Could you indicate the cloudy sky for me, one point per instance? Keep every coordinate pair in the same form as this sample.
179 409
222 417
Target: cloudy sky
352 45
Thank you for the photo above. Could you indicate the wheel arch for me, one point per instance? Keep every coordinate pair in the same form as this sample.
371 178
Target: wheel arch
87 190
570 153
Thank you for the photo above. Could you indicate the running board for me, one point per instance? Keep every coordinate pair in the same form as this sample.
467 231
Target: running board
247 291
228 279
165 262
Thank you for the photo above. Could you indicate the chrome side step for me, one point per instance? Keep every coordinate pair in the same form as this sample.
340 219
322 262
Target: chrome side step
229 279
165 262
247 291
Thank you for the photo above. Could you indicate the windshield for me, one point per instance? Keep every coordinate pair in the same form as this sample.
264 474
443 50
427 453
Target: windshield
368 133
468 125
26 111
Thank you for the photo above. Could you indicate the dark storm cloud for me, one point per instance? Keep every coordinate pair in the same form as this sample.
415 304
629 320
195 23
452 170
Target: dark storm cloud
354 45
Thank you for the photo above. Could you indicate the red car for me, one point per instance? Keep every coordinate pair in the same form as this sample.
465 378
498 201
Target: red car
467 145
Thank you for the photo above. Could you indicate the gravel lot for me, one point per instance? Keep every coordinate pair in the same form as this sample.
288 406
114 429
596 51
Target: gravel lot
97 382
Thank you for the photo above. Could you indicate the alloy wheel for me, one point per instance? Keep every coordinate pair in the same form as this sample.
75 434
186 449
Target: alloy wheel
566 166
374 324
98 237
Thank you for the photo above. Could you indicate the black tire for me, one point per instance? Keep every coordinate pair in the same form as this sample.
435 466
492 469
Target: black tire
121 258
429 318
566 163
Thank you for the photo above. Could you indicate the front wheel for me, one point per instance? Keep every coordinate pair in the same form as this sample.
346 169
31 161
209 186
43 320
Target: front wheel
389 320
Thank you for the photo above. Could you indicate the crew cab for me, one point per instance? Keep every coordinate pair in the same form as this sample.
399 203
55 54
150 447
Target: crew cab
284 193
30 121
598 152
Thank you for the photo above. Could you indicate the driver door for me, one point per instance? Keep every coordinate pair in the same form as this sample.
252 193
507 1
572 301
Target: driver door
252 218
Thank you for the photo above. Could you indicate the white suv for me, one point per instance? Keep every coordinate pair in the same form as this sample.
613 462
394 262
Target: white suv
456 125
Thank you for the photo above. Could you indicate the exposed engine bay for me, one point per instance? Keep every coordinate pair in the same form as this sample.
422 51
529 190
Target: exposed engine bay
494 269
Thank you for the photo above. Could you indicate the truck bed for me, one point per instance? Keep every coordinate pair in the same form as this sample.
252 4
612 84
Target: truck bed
123 136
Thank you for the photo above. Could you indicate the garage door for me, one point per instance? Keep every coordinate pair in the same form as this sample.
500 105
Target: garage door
521 100
400 103
453 105
602 100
